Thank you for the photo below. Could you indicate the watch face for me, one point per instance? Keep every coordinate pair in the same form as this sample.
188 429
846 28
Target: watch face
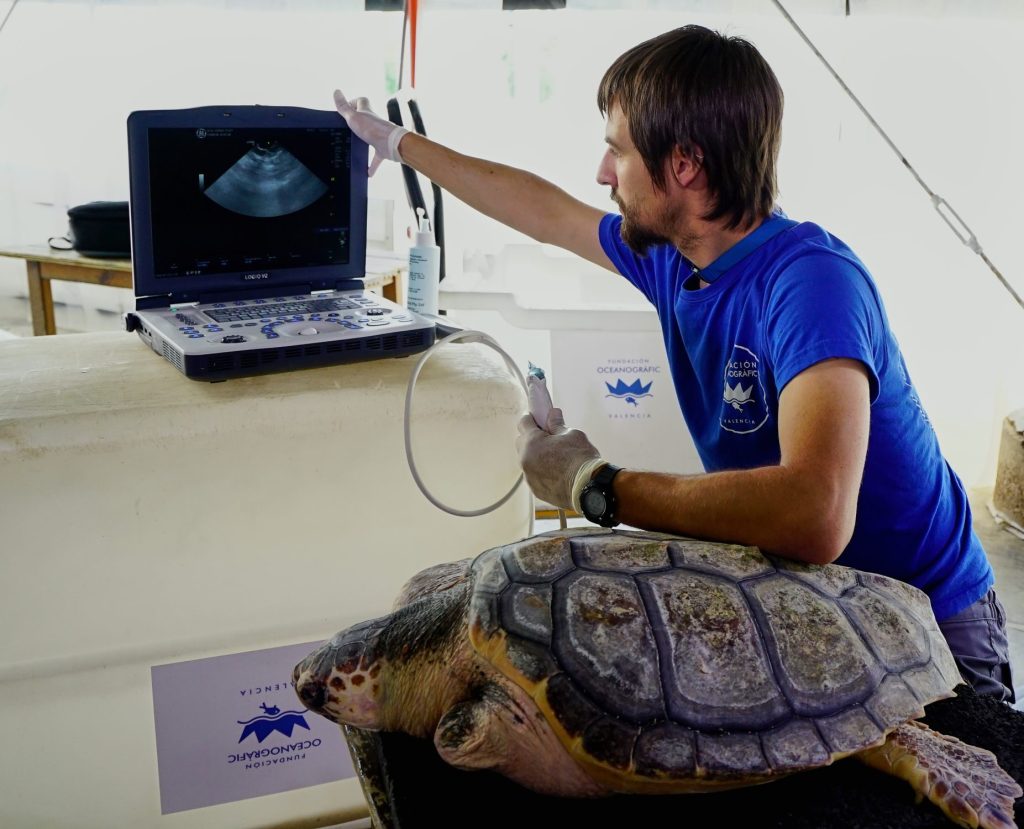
593 502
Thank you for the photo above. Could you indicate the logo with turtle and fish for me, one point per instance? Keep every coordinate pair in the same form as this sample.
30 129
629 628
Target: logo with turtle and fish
273 719
744 406
631 393
627 386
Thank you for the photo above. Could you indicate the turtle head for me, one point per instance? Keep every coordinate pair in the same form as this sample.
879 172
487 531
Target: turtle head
399 672
341 679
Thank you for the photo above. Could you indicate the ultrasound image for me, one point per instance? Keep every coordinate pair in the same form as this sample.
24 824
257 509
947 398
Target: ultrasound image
266 182
231 199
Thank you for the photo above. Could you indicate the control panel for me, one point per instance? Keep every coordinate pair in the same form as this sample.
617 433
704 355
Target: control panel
261 320
218 340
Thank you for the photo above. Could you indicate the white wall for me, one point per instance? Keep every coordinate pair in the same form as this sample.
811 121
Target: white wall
941 77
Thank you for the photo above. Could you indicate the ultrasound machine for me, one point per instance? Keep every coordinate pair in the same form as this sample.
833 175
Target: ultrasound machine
249 243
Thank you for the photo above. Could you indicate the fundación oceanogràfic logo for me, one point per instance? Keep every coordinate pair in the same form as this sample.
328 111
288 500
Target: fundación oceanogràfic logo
627 387
630 393
291 744
744 408
273 719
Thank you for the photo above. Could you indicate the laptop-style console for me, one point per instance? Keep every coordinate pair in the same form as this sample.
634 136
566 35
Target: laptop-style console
249 243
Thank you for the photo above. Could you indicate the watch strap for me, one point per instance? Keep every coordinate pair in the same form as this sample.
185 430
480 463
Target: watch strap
605 475
602 481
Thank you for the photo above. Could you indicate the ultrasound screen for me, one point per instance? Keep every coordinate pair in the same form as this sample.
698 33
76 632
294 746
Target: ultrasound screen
225 200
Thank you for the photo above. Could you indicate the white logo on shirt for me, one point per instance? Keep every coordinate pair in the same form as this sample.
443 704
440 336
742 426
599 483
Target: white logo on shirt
737 396
743 410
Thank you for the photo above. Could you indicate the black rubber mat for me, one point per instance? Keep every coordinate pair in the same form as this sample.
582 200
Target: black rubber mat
420 790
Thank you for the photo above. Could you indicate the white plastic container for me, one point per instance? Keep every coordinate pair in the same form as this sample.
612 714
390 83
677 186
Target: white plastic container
424 270
148 519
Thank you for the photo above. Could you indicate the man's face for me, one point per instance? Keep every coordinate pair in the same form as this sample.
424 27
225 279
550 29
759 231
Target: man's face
643 208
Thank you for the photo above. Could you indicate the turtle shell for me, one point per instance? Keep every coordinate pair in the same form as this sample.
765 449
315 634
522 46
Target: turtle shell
672 664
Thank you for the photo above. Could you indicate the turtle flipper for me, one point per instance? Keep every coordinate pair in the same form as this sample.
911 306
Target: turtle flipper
964 781
503 730
470 736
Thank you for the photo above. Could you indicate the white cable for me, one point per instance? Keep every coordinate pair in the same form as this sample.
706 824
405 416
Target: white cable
470 336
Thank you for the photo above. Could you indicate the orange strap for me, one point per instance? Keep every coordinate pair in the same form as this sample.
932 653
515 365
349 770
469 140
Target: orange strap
414 7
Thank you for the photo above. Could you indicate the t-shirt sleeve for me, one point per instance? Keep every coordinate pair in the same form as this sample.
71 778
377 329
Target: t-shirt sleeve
628 263
822 307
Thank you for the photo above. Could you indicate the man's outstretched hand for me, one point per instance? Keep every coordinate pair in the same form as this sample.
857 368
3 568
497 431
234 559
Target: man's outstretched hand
378 132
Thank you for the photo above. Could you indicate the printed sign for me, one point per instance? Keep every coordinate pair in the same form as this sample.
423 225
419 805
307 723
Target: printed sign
231 727
617 387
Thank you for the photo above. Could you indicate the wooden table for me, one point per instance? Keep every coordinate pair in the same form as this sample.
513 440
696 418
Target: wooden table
43 264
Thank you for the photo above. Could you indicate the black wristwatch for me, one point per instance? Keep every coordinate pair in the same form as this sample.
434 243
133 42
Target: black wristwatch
597 500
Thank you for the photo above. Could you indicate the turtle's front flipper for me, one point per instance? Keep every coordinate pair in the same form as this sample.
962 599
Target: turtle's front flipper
964 781
503 730
470 737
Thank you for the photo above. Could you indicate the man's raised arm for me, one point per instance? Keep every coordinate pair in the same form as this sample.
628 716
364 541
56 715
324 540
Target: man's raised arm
514 197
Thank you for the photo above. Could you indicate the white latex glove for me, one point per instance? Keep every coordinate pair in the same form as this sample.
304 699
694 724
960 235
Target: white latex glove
378 132
552 458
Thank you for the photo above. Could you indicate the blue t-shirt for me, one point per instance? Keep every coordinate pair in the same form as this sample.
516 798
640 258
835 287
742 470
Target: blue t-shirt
802 297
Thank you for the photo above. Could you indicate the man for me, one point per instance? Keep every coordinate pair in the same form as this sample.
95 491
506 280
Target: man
794 389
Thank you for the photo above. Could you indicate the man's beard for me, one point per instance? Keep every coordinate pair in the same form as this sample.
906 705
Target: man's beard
640 238
637 237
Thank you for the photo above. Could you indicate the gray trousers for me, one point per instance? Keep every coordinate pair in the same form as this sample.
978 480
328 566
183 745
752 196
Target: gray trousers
977 637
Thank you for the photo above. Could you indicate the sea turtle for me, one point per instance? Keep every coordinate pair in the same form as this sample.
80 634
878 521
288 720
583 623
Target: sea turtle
583 662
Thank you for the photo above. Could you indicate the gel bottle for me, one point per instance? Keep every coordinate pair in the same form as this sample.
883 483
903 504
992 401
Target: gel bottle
424 269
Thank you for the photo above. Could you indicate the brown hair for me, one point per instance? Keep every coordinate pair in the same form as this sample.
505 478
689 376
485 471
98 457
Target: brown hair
694 87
